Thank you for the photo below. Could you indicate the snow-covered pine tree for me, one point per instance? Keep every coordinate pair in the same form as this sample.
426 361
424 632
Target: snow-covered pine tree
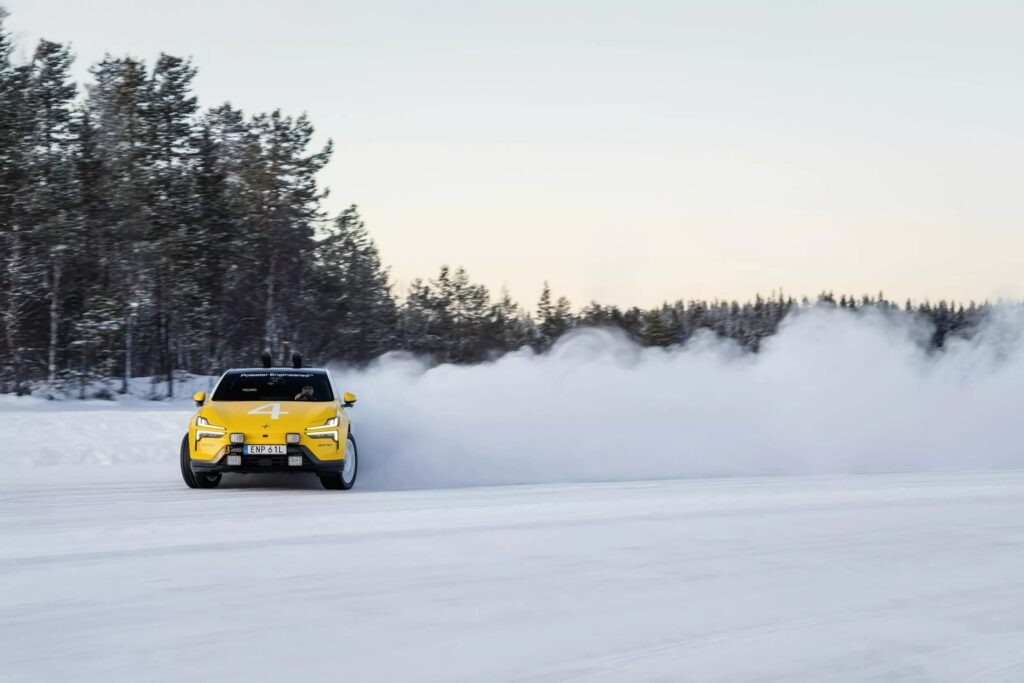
280 200
219 317
545 313
511 328
355 317
553 318
173 232
470 309
49 197
17 281
117 184
655 330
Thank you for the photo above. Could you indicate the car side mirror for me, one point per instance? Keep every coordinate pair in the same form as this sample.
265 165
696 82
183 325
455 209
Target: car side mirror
199 397
348 399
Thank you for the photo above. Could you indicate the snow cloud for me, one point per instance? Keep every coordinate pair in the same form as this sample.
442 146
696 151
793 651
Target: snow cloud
834 392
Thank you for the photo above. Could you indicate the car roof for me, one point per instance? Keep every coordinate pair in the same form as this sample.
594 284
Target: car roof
281 370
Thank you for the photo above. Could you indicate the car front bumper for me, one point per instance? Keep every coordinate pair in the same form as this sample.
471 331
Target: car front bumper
255 464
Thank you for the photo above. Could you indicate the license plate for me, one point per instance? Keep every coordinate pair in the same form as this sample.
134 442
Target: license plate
262 449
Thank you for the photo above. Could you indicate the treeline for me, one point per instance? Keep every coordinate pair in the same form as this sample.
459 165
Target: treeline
142 235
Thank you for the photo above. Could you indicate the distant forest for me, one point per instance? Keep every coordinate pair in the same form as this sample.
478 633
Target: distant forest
142 235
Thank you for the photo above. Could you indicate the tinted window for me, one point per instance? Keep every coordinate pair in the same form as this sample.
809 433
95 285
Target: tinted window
271 385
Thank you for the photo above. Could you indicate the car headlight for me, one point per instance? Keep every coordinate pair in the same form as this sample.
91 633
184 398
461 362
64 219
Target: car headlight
237 437
328 430
333 434
291 438
205 430
201 434
203 422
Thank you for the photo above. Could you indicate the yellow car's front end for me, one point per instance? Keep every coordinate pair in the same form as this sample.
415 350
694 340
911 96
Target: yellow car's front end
271 420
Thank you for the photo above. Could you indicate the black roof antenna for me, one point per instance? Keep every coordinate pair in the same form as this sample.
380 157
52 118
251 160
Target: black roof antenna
267 360
296 361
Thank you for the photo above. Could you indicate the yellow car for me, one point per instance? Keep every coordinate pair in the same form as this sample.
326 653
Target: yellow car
271 420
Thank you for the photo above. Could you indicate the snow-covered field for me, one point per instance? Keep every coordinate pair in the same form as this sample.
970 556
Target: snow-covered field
110 569
877 577
842 569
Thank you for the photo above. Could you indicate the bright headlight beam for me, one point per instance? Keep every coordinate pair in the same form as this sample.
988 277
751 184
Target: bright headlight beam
333 434
332 422
328 430
203 422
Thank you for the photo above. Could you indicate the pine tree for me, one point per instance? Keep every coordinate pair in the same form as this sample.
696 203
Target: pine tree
282 205
95 316
553 319
174 235
655 331
546 333
470 309
233 318
356 315
510 328
416 319
115 168
50 198
17 279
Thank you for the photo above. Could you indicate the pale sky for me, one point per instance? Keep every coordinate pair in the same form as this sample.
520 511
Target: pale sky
633 151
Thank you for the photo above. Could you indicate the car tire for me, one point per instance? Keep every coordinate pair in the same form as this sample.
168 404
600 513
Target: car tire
186 465
346 478
195 481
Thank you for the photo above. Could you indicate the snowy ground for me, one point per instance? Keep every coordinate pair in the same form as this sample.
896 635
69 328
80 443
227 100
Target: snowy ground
121 573
112 570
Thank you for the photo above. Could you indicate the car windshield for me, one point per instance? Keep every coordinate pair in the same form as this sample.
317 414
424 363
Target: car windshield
271 385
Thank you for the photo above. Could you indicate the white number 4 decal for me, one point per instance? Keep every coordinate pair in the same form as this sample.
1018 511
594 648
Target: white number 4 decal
271 409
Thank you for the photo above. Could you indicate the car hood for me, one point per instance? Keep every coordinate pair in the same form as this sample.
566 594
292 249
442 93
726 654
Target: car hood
291 416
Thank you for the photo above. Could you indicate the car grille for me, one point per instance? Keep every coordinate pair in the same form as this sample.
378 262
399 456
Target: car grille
265 460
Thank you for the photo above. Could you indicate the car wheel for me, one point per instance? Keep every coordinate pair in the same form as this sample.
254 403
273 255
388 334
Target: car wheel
195 481
186 465
346 478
